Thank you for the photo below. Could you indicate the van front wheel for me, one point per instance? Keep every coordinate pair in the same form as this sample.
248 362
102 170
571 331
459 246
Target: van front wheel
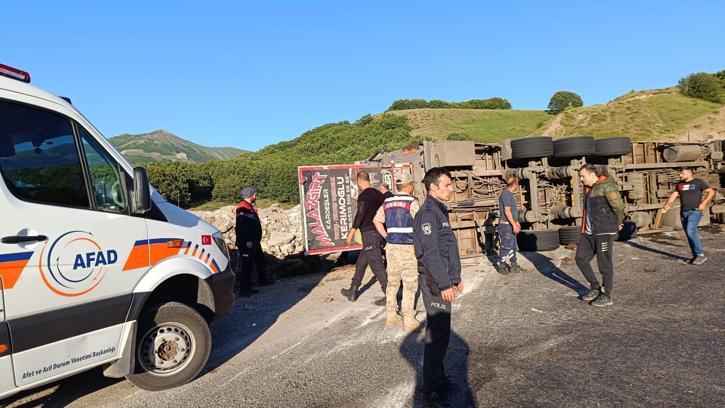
172 346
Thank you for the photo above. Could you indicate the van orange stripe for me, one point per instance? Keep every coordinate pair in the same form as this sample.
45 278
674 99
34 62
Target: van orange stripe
138 258
10 272
160 251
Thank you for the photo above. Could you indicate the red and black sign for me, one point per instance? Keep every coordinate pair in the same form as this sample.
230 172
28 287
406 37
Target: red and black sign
328 197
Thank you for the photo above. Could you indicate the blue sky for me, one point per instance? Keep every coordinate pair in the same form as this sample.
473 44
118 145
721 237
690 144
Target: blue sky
248 74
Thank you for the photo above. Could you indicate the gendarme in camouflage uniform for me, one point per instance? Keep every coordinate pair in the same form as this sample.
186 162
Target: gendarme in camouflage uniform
397 214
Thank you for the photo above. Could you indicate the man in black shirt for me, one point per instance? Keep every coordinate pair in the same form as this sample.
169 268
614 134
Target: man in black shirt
385 190
368 202
690 190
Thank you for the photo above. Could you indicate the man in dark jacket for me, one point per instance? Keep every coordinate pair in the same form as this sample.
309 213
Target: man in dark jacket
602 219
249 238
368 202
439 268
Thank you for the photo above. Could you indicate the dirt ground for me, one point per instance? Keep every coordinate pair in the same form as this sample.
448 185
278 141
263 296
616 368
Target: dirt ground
521 340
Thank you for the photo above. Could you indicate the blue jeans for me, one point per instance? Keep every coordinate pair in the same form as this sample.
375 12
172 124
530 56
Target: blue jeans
507 238
690 219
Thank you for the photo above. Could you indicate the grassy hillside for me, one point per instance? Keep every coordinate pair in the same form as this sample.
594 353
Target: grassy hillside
657 114
475 124
160 145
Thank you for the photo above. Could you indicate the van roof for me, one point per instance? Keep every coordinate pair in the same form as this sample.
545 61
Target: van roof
13 85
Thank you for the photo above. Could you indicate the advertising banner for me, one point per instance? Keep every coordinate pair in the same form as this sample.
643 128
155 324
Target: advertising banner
328 197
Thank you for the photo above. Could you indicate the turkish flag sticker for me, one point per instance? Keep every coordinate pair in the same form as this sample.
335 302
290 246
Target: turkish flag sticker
206 239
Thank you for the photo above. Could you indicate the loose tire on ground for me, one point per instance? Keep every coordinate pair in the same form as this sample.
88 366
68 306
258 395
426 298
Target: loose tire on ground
574 146
569 235
173 343
532 241
613 146
532 147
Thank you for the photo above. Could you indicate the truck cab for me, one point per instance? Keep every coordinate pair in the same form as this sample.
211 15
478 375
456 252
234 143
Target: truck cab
96 268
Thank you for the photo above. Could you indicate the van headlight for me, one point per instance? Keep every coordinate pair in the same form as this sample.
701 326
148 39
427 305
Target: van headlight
221 244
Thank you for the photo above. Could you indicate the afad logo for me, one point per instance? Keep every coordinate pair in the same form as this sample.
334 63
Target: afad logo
75 264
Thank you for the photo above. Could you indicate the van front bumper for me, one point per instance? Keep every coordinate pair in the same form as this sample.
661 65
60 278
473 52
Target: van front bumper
222 287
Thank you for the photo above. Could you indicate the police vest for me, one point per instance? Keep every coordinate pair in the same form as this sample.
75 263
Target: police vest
398 221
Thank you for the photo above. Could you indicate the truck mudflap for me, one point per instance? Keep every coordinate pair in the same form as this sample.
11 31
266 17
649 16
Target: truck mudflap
222 288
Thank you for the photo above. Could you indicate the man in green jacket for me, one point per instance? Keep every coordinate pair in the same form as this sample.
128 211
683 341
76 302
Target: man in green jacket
602 219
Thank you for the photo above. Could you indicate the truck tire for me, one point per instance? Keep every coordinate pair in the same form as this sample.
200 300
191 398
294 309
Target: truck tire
574 146
532 147
569 235
533 241
173 343
613 146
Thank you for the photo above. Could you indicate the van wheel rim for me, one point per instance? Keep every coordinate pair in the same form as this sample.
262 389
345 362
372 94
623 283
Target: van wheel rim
166 349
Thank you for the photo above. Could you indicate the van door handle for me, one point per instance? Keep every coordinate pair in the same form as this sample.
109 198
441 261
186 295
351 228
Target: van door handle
20 239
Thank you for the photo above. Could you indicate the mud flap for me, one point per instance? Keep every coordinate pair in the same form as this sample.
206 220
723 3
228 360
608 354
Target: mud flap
124 365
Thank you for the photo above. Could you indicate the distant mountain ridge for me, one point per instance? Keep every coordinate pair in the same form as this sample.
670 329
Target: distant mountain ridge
161 145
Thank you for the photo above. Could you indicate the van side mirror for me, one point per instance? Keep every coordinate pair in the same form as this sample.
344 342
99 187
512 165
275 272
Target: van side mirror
141 193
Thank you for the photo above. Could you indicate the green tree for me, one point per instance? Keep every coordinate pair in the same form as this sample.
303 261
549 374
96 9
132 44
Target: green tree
701 86
179 182
563 100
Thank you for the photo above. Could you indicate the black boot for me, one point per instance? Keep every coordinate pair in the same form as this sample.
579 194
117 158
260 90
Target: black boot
350 294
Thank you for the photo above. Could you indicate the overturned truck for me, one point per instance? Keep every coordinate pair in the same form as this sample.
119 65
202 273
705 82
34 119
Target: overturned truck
550 194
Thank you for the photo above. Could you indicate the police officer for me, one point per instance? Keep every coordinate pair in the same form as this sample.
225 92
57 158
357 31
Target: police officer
394 221
439 267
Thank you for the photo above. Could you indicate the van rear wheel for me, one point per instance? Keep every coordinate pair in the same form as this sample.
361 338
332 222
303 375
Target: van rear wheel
173 343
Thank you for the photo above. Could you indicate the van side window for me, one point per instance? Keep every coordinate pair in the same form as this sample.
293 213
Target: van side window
39 157
106 186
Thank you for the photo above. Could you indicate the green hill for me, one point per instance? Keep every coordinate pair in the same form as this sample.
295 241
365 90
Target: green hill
490 125
654 114
160 146
657 114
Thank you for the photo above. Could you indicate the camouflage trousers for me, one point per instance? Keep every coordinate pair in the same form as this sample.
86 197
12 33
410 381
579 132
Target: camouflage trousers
402 266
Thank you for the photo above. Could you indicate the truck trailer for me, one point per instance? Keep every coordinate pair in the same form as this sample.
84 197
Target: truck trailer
550 197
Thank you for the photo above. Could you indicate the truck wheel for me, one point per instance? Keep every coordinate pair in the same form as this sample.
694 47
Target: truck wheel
532 147
574 146
173 343
533 241
613 146
569 235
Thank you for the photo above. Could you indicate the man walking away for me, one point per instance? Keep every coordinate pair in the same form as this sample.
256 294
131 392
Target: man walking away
249 238
439 266
690 190
394 221
602 219
368 202
508 227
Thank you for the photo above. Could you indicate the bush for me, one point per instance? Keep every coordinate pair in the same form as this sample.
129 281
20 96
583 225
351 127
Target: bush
701 86
563 100
180 182
490 103
273 170
402 104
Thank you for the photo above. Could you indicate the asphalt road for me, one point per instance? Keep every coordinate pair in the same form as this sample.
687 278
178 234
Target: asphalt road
520 340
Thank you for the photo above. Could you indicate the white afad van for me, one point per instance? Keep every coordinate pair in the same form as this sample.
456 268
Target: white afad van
96 268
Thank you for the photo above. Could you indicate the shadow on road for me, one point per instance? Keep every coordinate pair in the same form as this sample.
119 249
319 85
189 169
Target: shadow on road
545 267
655 251
456 363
